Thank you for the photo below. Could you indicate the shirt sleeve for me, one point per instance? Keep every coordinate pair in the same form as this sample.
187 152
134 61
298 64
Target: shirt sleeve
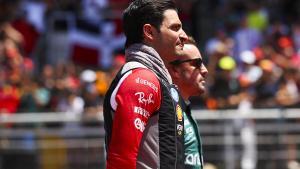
136 98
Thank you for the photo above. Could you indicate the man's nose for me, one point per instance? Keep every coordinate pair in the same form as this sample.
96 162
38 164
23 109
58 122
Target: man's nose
204 71
183 37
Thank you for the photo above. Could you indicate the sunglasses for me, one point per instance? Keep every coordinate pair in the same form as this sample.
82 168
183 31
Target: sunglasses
194 62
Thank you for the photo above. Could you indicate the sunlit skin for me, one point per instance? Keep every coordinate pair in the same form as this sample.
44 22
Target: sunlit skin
170 37
189 77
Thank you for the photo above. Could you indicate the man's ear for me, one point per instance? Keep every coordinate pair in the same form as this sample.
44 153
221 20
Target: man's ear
148 32
174 71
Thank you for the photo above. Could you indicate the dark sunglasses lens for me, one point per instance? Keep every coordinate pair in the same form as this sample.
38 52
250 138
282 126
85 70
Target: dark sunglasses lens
195 62
198 62
175 62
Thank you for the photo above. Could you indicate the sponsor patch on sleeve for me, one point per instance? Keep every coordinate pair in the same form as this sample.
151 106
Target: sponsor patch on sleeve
179 113
174 94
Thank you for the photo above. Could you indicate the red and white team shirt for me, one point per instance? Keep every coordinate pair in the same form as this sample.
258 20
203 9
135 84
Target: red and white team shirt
136 97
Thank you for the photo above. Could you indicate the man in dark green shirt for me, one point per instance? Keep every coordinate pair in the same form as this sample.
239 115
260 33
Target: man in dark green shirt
189 74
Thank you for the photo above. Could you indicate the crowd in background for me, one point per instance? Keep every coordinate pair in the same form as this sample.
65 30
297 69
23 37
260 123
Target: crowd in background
253 58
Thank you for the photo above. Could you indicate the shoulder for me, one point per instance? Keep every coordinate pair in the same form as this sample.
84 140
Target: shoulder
141 77
138 88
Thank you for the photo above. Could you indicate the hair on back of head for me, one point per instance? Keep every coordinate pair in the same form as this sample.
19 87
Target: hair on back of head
191 41
141 12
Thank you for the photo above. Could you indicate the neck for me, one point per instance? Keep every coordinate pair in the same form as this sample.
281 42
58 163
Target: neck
185 96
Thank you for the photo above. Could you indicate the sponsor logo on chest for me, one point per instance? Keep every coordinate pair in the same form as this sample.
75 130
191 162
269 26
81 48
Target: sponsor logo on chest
139 124
141 111
144 99
146 83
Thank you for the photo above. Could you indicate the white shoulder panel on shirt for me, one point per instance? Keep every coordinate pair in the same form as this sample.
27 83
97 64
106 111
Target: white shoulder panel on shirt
128 66
132 65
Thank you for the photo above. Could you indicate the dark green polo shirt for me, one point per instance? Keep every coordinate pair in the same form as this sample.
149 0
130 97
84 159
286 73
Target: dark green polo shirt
192 142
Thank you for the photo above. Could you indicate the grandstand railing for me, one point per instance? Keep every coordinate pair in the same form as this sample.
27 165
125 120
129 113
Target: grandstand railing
232 139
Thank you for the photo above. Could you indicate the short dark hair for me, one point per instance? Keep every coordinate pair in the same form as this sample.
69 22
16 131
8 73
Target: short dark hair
141 12
191 41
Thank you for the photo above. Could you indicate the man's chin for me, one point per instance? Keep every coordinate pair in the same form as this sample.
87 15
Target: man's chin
178 52
201 91
179 47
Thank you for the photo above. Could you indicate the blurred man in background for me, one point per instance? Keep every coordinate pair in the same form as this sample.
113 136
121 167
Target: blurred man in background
189 74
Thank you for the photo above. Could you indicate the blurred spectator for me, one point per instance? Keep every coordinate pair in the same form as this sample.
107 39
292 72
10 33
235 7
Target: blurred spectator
276 30
257 16
288 92
48 76
76 104
267 85
248 68
246 38
215 53
27 101
102 82
220 42
41 95
296 36
92 101
224 84
9 99
11 59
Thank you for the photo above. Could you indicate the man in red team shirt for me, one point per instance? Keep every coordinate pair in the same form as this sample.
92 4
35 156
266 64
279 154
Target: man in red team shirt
142 108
